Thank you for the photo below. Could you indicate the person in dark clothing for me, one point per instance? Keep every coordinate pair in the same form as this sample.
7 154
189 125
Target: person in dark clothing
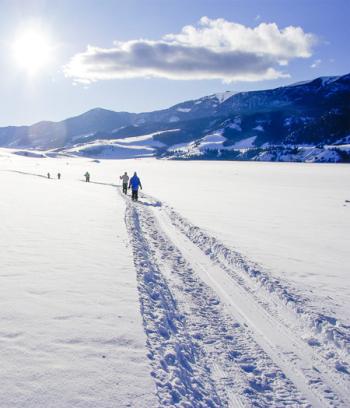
59 176
135 184
48 175
87 176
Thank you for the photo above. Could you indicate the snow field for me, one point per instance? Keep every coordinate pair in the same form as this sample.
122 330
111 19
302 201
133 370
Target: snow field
70 329
291 218
241 282
244 327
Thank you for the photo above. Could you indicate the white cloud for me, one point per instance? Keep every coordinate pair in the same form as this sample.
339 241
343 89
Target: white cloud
214 49
316 63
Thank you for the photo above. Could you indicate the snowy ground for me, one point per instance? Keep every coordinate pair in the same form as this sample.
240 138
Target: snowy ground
226 285
70 329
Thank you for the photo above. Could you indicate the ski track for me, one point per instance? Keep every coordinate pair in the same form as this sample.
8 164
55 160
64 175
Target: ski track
199 296
253 277
326 339
180 372
322 385
239 365
226 356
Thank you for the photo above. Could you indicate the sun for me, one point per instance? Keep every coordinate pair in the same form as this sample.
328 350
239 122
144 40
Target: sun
32 50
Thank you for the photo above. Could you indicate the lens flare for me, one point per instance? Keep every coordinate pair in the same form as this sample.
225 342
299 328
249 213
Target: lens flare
32 50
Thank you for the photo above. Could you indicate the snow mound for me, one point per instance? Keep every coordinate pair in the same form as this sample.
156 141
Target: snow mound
112 151
244 143
129 147
29 153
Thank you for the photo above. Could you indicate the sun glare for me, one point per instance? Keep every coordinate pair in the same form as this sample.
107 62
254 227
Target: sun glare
32 50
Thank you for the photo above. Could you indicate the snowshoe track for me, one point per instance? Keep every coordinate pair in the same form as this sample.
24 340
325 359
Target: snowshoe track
178 366
253 277
223 360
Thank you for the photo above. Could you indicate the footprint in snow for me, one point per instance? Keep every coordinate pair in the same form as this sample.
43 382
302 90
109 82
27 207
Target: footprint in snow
248 368
341 367
313 342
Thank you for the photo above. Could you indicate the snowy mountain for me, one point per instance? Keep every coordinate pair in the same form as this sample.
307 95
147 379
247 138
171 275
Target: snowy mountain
101 123
312 114
58 134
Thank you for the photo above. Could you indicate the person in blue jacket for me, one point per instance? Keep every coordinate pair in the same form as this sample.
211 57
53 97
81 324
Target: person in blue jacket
134 184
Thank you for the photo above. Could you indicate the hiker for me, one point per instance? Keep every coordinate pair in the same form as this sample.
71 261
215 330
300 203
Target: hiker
135 183
125 179
59 176
48 175
87 176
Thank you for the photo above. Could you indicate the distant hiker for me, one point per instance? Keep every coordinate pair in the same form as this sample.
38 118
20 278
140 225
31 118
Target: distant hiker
48 175
59 176
87 176
125 179
135 183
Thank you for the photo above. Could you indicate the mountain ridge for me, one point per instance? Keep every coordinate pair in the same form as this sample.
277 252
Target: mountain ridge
313 112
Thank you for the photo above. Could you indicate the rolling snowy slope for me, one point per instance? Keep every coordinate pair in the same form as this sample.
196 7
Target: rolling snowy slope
237 273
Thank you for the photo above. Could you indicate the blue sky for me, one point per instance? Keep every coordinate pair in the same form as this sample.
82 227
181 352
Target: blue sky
132 75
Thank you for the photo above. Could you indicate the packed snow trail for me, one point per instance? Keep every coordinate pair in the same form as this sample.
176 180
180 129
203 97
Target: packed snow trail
243 352
292 309
175 358
298 360
191 340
